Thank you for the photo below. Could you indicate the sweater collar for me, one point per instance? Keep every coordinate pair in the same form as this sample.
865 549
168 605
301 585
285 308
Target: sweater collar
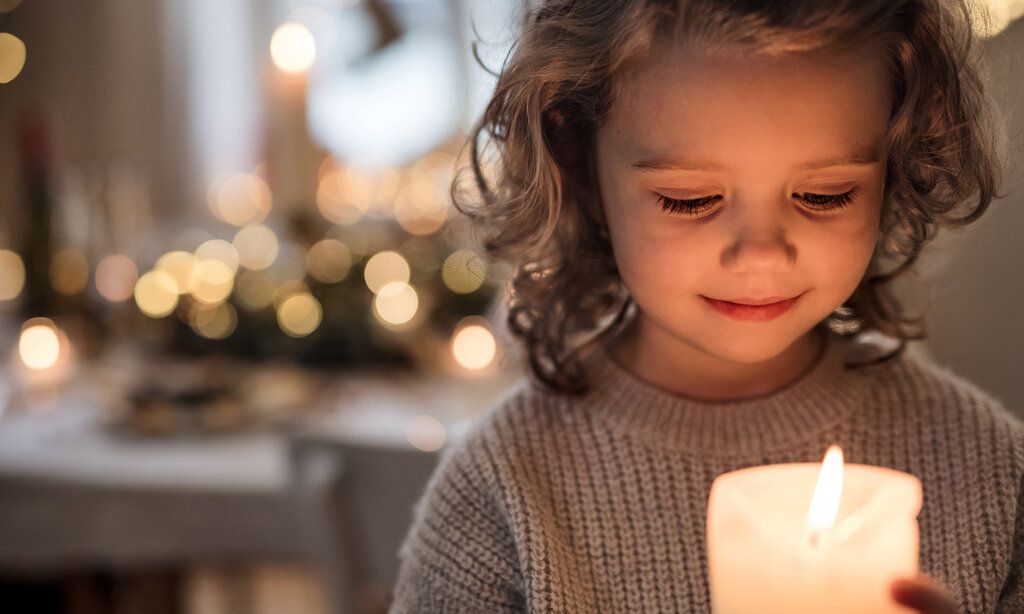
822 397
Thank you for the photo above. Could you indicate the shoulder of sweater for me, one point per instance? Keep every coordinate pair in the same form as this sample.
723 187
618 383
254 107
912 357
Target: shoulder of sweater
945 388
523 408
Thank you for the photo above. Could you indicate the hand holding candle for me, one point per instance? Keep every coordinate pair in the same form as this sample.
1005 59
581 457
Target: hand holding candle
925 595
809 538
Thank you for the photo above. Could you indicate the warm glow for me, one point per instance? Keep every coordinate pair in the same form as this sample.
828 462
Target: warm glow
254 289
292 47
383 186
383 268
345 195
299 314
396 303
256 246
329 260
420 209
214 321
12 57
473 346
115 278
211 281
463 271
69 271
821 514
156 293
219 249
179 265
240 199
340 198
39 345
12 274
288 288
425 433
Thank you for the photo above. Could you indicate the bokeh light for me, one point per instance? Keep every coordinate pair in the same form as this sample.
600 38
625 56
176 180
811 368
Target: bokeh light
299 314
179 265
218 249
156 293
329 260
69 271
39 344
287 288
12 56
383 268
395 304
425 433
320 21
292 47
211 281
257 247
463 271
254 289
473 345
345 195
240 199
420 209
115 278
12 274
214 321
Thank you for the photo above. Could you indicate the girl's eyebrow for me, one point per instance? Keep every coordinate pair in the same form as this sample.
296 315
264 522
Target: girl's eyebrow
665 163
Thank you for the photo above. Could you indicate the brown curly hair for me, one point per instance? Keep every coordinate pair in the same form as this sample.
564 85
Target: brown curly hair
531 201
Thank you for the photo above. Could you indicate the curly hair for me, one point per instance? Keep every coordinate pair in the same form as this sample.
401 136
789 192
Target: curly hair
533 204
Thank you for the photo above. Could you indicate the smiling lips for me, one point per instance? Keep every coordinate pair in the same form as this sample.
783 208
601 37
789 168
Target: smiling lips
753 309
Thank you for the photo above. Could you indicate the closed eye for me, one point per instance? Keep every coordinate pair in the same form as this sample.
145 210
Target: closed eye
696 206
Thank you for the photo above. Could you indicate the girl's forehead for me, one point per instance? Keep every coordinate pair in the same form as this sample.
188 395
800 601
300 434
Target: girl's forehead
704 100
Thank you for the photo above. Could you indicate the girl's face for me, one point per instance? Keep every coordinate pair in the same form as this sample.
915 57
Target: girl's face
753 151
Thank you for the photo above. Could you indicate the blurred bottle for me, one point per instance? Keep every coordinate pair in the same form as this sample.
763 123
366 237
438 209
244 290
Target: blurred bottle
36 246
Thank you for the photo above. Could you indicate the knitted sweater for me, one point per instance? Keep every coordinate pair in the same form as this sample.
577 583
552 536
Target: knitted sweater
598 503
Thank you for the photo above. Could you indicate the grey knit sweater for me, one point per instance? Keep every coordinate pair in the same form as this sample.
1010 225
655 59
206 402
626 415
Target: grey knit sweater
555 503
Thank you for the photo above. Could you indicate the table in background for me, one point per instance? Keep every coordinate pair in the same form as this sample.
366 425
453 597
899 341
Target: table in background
75 495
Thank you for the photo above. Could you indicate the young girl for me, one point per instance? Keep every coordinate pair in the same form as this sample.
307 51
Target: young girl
706 202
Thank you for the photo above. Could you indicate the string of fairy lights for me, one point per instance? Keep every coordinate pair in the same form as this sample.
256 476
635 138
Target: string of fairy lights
259 268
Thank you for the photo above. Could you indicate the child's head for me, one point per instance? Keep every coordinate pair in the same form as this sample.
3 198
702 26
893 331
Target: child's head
651 154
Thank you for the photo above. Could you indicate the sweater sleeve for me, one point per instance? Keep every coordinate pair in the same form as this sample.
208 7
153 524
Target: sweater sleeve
459 555
1011 599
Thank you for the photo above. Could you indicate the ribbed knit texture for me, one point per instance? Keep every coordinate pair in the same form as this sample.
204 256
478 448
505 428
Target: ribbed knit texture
598 503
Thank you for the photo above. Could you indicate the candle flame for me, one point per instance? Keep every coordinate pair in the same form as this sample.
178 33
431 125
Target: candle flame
821 514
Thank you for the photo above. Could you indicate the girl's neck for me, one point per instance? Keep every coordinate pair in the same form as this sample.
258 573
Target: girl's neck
677 367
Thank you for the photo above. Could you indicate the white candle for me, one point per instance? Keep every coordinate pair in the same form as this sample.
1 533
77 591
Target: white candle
808 538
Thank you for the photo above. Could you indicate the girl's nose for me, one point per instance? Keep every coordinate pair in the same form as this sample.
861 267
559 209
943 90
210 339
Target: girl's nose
759 248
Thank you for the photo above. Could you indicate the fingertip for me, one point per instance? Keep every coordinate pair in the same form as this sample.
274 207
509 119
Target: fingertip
901 589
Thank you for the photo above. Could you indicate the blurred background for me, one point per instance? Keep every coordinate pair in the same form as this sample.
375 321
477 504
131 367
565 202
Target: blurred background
238 319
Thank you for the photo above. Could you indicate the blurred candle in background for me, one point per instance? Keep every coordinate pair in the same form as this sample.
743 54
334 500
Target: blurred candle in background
42 363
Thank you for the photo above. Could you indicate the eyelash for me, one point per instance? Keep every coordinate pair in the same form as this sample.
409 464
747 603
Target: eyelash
693 206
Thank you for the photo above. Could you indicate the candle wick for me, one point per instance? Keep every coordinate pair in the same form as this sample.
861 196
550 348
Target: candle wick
816 539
